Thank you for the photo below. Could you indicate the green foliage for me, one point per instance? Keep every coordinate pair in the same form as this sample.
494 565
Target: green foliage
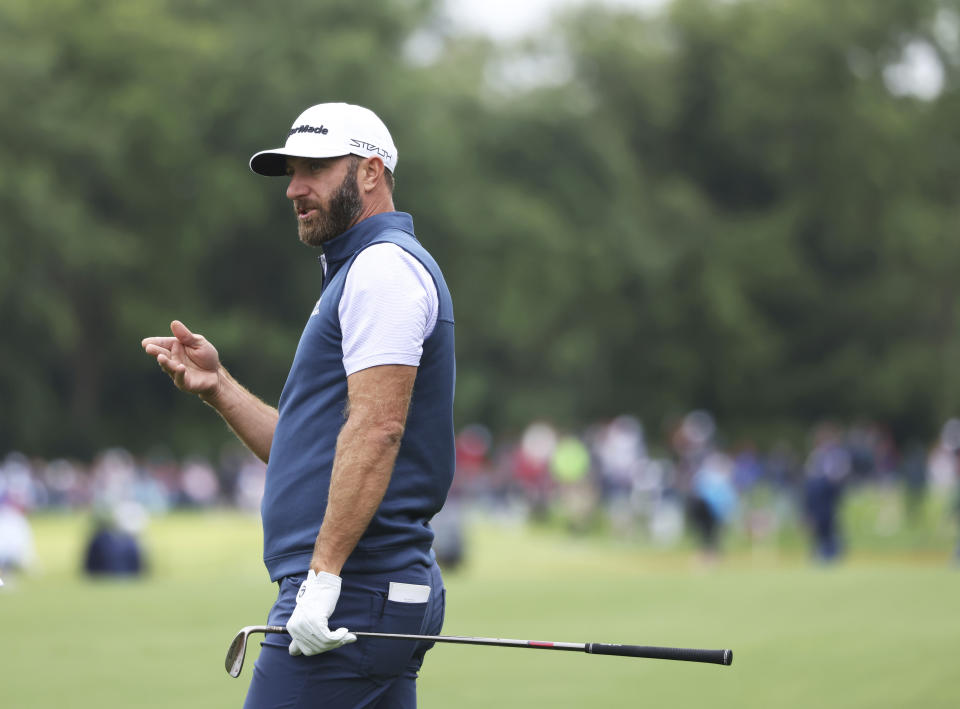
721 205
126 203
799 295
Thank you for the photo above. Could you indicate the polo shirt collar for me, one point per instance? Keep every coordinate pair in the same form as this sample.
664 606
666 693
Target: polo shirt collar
359 235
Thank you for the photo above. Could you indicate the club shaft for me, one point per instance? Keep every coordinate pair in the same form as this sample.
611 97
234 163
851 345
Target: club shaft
497 642
716 657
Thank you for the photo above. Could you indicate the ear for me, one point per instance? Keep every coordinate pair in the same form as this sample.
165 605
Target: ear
370 173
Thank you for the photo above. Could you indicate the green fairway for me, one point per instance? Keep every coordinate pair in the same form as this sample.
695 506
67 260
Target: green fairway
876 631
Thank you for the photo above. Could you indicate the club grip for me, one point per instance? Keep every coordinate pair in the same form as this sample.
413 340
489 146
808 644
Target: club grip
717 657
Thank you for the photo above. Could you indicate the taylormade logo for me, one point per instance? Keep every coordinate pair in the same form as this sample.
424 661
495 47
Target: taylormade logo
370 147
308 129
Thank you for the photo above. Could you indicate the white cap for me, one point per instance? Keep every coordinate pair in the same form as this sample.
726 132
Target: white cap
329 130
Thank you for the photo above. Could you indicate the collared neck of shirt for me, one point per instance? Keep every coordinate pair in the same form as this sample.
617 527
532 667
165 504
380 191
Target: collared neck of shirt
359 235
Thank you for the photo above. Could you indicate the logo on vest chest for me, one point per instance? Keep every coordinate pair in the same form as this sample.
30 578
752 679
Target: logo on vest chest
316 308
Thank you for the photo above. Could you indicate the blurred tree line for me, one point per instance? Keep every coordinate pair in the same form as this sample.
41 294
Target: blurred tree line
728 205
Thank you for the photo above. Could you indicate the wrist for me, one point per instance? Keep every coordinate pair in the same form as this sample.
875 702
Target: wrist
324 566
216 397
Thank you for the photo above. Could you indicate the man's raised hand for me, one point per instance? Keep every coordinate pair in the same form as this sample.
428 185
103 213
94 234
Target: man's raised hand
191 361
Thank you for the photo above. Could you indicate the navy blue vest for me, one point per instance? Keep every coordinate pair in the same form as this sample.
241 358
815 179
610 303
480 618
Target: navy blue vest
312 413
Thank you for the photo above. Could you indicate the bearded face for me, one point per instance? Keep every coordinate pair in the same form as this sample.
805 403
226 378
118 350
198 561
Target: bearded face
318 224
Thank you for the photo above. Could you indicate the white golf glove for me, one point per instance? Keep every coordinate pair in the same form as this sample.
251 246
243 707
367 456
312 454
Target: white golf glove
307 626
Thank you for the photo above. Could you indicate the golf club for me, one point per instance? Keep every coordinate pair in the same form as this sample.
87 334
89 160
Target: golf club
238 648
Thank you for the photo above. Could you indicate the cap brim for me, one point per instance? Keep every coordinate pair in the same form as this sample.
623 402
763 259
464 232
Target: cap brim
273 163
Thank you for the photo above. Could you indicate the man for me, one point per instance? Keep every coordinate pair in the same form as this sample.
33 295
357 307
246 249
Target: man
360 451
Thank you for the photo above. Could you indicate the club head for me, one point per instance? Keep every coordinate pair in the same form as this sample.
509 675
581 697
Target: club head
237 651
238 648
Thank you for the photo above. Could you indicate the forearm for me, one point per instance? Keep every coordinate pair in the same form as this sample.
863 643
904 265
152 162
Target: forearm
251 419
361 473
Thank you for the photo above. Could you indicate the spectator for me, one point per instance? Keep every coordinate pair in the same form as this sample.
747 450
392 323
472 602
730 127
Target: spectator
473 476
570 468
530 463
712 502
114 549
16 537
827 469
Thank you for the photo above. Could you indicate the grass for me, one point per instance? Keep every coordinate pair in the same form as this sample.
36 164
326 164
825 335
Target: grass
878 630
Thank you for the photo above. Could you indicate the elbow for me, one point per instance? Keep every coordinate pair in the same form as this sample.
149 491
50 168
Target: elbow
389 434
381 436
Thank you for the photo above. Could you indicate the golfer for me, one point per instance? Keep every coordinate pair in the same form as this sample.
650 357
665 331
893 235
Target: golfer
360 451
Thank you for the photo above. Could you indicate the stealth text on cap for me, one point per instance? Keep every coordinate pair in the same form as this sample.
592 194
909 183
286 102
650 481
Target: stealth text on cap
308 129
371 147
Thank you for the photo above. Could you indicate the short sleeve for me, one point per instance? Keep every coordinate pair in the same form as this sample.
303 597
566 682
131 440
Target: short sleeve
388 308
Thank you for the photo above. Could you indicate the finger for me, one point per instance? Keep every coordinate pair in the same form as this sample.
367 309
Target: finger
178 353
170 366
155 350
339 635
164 342
179 374
294 648
309 647
183 334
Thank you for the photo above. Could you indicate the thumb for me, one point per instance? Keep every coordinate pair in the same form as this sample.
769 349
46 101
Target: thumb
182 333
294 648
343 636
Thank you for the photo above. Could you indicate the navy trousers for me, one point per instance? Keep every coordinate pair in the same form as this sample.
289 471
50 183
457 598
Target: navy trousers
372 672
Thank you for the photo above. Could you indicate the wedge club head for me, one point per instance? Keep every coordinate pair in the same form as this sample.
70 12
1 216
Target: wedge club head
238 648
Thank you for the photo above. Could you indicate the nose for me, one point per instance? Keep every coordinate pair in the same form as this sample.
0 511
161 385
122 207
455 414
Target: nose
297 187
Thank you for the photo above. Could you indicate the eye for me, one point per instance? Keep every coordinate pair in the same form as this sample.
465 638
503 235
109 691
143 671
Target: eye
316 165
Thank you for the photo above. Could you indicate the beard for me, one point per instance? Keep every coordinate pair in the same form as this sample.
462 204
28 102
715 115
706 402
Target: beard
327 224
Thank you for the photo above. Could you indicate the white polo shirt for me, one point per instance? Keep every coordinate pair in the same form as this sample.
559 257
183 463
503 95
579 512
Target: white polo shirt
388 308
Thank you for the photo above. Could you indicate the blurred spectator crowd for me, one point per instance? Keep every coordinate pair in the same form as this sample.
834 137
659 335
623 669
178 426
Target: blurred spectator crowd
156 482
612 475
121 492
608 476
